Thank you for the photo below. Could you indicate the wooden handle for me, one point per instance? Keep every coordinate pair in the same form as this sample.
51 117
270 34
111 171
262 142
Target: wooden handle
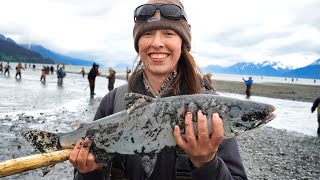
19 165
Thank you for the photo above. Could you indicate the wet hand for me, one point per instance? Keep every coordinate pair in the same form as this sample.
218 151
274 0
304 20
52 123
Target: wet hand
81 158
203 149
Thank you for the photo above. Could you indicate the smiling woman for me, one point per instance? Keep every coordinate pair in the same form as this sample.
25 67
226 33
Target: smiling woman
162 38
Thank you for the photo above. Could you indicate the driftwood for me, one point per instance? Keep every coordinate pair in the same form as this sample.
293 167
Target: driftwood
19 165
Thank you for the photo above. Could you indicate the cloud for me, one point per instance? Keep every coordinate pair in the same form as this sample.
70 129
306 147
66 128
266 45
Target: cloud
223 32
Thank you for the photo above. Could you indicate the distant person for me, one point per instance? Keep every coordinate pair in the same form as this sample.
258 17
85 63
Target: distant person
314 81
7 69
60 75
83 72
18 70
292 79
316 105
207 82
248 84
25 65
1 68
128 71
51 69
94 72
111 78
34 67
43 74
47 69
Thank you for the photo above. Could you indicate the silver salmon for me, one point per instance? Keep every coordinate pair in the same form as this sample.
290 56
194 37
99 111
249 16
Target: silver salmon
146 127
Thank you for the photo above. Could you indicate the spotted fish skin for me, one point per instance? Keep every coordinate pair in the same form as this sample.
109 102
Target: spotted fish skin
146 127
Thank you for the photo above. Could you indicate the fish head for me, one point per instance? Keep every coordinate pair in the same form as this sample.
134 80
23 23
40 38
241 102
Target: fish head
246 117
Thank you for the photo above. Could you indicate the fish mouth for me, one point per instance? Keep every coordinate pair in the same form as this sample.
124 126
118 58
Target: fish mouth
269 117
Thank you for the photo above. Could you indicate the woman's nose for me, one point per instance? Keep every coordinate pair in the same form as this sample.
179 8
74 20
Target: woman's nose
157 41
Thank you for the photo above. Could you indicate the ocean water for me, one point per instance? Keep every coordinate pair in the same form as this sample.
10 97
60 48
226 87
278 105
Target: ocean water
30 97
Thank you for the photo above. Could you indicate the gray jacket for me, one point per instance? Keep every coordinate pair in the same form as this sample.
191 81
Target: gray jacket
170 163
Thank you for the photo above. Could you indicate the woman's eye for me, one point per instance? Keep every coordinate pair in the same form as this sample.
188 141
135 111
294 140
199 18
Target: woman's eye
170 33
147 33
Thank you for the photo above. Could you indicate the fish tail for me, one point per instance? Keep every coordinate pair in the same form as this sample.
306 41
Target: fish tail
42 140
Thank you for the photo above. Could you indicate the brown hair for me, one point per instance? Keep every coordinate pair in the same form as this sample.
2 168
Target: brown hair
187 71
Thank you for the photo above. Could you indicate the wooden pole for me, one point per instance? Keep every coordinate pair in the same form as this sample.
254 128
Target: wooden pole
19 165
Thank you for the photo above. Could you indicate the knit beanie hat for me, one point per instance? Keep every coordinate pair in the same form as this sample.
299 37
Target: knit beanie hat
181 26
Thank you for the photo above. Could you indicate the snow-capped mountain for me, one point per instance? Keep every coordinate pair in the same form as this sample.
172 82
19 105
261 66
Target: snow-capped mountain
268 68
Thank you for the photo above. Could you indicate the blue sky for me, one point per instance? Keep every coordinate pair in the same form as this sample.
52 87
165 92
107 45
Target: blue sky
223 32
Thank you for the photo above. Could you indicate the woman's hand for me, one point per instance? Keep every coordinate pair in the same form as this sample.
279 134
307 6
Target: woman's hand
81 158
203 149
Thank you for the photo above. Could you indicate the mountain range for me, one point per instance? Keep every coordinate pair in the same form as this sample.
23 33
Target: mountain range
58 58
31 53
268 68
10 51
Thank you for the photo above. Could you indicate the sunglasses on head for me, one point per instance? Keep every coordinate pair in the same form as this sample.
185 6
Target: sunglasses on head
169 11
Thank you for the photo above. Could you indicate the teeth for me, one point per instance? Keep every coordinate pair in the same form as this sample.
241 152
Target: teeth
158 56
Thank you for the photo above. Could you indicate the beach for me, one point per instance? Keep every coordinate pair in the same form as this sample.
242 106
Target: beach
267 153
290 91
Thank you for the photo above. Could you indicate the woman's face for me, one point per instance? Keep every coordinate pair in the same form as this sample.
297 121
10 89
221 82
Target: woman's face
160 51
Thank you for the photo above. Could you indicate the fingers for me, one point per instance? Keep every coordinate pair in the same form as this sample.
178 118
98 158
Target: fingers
203 133
190 135
179 140
218 130
83 154
74 153
81 158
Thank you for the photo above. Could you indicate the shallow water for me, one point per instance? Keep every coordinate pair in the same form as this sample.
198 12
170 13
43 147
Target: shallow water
31 97
30 104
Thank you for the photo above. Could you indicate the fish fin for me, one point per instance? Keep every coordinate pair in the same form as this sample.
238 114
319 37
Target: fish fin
42 140
135 100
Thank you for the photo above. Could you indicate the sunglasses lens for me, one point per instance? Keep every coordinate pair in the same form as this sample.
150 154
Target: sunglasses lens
170 11
144 11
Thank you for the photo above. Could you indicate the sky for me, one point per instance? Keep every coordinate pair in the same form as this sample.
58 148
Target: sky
223 32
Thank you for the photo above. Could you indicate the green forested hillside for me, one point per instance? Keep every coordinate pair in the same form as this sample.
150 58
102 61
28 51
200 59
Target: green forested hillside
11 52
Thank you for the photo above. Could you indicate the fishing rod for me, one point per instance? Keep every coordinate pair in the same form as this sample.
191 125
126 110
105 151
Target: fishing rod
240 71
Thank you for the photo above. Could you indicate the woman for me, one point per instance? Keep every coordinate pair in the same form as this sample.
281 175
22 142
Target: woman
162 39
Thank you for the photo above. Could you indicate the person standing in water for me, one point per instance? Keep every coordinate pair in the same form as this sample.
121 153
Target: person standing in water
60 75
162 39
18 70
316 105
111 78
83 72
248 84
43 74
94 72
7 69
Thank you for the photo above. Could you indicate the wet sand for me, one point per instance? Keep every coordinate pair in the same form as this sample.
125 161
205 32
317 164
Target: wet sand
289 91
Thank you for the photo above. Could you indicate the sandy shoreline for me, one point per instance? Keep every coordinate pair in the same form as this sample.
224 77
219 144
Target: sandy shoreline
289 91
295 92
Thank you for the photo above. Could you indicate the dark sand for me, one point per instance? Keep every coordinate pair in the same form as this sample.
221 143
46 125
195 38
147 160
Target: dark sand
296 92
